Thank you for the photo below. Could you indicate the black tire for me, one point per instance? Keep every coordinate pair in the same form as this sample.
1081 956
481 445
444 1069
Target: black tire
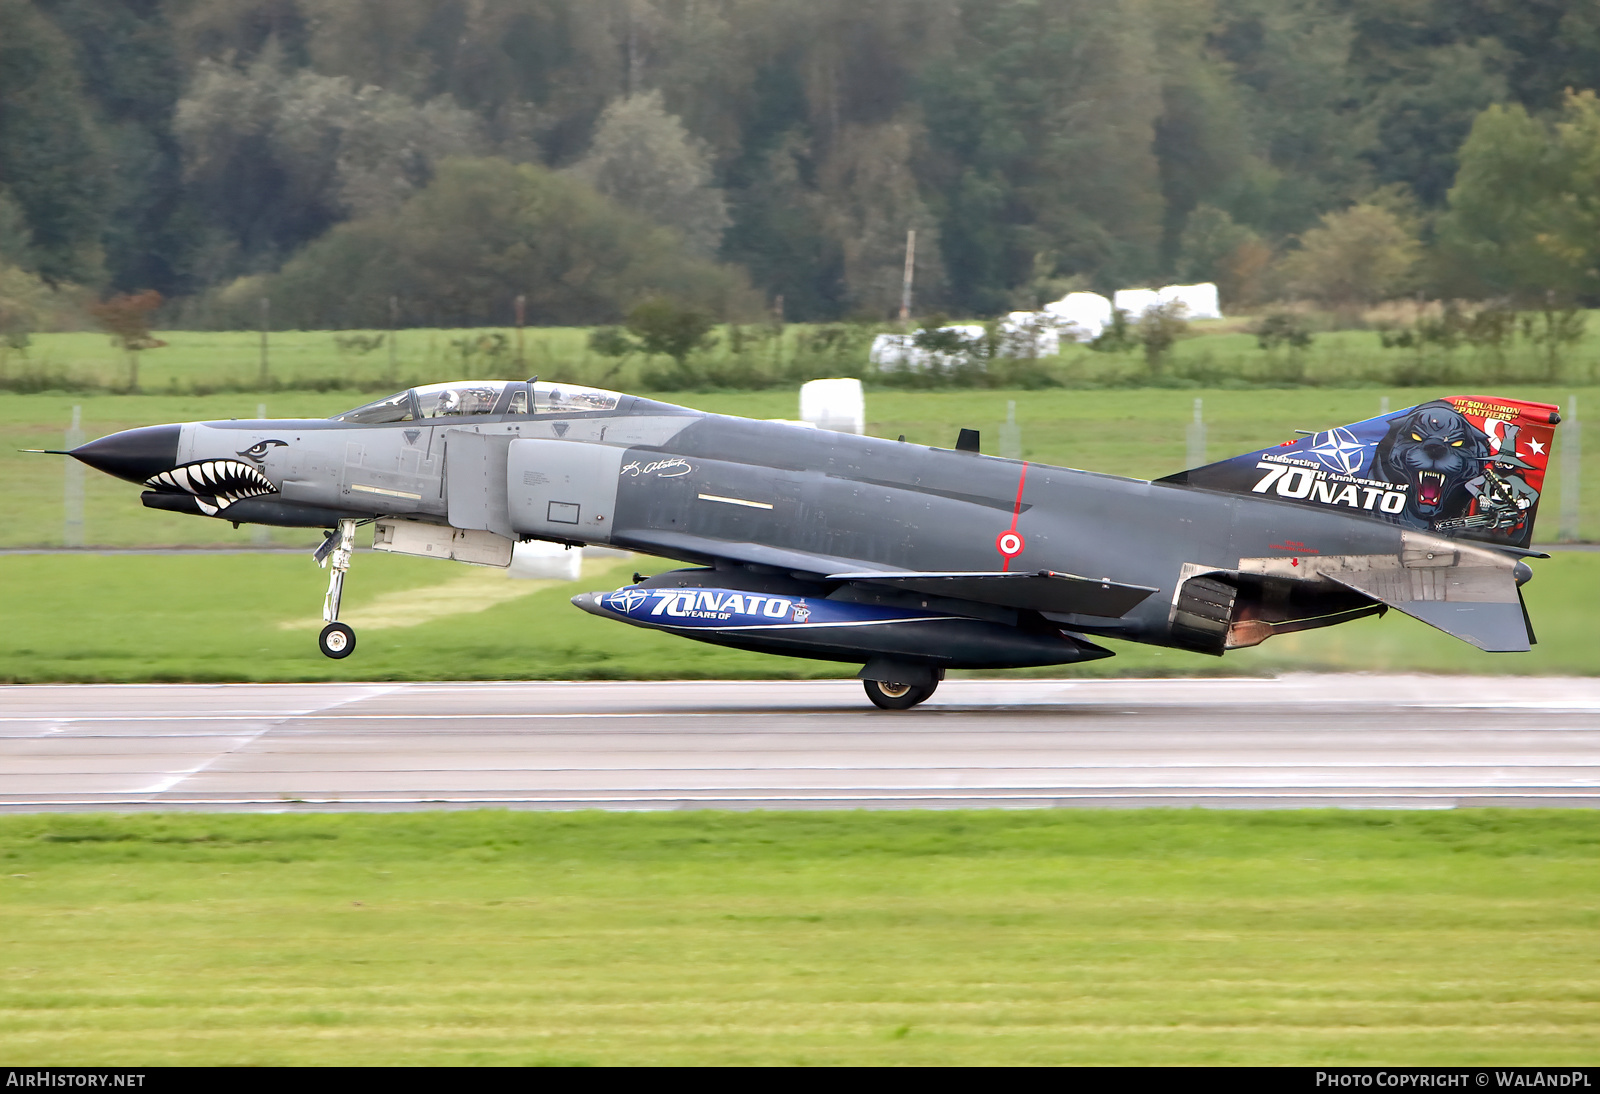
891 696
336 641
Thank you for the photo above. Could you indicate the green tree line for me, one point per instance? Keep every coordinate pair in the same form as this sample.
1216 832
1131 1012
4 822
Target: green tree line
362 161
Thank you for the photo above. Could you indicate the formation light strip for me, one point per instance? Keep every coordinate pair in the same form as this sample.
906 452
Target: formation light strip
385 493
735 501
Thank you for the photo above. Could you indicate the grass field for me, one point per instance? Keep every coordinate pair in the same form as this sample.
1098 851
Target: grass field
1034 937
1140 433
93 618
220 359
1215 353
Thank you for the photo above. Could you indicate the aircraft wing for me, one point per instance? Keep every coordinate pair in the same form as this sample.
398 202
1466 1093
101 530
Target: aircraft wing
1038 590
686 545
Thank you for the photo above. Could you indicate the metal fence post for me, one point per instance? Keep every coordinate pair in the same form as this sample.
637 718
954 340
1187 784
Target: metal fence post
1571 457
72 526
394 334
1197 438
260 534
1011 433
266 310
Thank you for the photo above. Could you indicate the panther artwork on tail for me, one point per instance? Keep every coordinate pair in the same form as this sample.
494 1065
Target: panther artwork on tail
1459 466
1435 451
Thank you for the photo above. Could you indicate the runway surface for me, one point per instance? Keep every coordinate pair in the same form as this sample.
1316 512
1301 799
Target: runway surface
1353 741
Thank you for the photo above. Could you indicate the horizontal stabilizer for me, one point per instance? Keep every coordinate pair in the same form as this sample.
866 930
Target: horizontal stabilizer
1468 592
1495 628
1040 590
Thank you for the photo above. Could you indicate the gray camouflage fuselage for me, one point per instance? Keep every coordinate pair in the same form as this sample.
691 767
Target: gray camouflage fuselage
830 545
780 499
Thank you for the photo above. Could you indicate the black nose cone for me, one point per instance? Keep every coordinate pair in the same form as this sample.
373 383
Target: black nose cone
133 454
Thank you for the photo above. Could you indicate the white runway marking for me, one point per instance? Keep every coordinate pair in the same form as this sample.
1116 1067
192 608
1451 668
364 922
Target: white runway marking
1401 742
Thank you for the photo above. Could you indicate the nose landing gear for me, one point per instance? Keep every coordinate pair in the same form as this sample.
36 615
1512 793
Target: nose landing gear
337 639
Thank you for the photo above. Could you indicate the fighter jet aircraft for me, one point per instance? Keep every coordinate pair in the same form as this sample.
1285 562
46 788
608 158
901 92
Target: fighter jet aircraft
905 559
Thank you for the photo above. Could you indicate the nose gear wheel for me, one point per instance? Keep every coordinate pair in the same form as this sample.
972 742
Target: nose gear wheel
337 640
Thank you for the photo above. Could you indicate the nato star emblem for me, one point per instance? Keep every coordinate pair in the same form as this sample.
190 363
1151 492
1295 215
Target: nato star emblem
627 600
1339 450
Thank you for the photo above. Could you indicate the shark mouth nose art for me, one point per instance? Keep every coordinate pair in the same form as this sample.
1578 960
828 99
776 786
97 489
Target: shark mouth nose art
215 484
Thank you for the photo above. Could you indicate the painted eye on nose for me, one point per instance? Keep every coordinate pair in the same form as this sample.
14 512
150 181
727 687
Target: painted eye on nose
1416 436
260 449
1456 444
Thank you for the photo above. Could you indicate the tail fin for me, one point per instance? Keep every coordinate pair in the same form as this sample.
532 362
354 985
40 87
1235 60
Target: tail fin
1460 466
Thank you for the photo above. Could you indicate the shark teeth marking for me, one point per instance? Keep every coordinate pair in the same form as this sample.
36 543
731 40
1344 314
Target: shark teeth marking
214 484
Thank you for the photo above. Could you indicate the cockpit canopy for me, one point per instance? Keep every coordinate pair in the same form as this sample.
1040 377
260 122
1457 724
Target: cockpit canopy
462 398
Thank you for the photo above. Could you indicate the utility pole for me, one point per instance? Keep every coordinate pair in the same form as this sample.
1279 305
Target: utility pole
905 284
1571 456
633 49
266 311
1197 438
72 527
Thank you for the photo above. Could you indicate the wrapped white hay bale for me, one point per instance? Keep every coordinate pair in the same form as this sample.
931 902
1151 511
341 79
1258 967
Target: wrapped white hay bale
900 352
969 337
538 560
1198 301
1081 316
893 353
1029 334
838 405
1135 302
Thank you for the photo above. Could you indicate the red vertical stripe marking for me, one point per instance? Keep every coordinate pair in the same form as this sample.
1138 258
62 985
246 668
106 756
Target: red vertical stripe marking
1016 511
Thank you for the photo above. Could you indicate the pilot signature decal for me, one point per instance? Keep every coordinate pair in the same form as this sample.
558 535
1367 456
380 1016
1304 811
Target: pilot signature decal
215 484
662 469
1452 465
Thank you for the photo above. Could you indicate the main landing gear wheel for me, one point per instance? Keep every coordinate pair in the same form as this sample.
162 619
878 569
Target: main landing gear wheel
337 640
892 696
